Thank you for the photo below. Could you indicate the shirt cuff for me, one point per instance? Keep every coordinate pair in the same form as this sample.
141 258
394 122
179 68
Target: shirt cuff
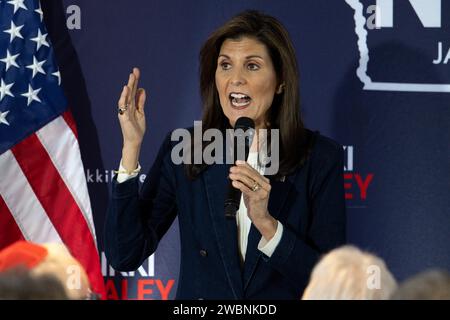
122 177
268 247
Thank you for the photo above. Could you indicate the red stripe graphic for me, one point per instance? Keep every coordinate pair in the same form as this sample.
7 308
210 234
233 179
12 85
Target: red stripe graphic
10 231
60 206
68 117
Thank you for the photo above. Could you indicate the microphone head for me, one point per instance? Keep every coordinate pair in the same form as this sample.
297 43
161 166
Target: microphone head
244 130
244 123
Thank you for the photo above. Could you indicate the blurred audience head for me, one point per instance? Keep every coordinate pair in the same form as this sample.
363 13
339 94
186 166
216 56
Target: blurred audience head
20 284
348 273
46 261
427 285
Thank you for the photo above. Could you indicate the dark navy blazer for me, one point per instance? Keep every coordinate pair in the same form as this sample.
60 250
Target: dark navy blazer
309 203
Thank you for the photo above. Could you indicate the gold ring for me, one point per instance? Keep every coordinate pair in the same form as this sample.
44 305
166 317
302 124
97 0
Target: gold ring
256 186
121 110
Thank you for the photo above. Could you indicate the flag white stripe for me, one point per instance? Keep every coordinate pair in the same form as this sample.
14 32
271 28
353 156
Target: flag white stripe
62 146
23 204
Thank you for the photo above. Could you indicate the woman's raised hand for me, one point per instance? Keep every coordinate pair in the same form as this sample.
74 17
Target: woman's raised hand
132 120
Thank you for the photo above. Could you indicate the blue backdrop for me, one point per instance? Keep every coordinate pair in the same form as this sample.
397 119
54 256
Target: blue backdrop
374 82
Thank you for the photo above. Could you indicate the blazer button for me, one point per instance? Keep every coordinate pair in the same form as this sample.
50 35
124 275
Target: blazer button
203 253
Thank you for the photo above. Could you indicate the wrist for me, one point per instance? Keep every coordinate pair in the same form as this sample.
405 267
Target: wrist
123 170
267 226
131 147
130 157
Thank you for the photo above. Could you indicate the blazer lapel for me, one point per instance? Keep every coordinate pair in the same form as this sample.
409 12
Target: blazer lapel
278 196
215 178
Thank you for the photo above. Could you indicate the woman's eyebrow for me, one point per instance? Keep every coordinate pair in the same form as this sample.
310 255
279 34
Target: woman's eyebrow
247 57
254 56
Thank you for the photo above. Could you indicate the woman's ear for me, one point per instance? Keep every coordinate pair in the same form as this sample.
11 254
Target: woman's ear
280 88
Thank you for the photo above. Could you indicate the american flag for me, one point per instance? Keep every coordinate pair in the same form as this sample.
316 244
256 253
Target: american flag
43 190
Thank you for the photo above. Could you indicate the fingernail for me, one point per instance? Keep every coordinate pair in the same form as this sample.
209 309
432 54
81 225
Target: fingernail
240 162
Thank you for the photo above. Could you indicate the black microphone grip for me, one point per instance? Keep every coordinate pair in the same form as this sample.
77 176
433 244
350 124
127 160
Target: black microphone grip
233 195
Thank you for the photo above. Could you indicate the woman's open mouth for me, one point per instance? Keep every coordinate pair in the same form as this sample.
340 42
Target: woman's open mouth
239 100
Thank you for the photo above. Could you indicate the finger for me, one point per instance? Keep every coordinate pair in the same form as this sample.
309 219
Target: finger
244 189
122 103
242 178
244 164
122 98
130 84
255 195
250 181
137 74
252 174
140 100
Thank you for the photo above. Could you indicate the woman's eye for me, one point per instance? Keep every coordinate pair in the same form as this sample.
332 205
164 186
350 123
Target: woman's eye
253 66
225 65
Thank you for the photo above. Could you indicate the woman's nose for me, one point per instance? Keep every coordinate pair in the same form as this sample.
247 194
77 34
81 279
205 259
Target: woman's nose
237 78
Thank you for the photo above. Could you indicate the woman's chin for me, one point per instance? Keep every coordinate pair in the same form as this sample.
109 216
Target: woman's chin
241 112
235 118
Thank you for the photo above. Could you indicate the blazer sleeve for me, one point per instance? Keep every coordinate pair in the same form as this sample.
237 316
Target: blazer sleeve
295 256
136 221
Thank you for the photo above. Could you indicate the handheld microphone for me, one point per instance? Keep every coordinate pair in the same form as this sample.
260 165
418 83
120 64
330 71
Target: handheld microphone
244 130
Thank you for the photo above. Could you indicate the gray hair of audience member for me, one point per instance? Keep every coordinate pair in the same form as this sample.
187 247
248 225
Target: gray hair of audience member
21 284
428 285
347 273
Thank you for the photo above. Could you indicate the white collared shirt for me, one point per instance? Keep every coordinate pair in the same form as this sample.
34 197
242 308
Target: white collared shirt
244 223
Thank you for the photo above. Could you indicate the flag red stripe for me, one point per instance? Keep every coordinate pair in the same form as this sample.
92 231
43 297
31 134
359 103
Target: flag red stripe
68 117
60 206
10 231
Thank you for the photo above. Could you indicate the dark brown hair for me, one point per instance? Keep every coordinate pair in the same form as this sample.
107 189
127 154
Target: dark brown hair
284 113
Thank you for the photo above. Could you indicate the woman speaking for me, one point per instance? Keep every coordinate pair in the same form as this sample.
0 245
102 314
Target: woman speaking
285 220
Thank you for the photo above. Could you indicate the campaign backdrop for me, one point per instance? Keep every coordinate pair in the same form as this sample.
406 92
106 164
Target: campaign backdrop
374 78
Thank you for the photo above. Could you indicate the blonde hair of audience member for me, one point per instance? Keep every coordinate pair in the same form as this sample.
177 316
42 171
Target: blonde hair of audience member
60 263
347 273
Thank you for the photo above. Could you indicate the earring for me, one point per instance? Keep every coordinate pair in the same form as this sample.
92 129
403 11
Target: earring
280 88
